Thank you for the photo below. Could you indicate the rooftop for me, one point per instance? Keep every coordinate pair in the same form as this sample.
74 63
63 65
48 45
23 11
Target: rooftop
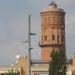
52 7
53 4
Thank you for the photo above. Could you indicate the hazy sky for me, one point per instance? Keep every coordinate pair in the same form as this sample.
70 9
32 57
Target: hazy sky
14 27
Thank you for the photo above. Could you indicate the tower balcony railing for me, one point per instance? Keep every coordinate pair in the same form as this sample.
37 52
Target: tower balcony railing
50 45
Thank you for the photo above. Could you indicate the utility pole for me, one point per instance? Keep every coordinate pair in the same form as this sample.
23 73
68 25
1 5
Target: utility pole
29 42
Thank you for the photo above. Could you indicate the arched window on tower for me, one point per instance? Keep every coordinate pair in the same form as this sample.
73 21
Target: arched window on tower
57 38
45 39
53 37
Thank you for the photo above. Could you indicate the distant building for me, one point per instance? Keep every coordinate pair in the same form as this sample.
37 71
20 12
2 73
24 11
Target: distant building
9 69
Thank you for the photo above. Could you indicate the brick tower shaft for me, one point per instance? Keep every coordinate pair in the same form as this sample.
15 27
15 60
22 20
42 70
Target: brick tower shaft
52 30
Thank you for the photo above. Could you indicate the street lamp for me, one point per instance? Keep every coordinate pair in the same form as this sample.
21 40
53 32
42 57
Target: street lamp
29 43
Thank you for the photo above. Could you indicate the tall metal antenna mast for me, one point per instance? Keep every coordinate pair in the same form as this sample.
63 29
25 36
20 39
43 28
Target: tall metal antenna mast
29 42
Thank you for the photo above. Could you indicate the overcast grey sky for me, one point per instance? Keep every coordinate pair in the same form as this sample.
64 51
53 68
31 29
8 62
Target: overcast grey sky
14 27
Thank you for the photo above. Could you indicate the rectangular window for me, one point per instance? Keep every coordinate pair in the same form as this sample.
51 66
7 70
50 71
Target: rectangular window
58 38
53 37
62 37
45 38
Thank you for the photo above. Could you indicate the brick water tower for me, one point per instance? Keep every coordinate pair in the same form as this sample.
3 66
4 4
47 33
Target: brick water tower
52 30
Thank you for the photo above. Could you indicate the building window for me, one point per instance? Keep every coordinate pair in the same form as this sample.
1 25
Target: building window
35 73
53 37
58 38
62 37
42 38
45 38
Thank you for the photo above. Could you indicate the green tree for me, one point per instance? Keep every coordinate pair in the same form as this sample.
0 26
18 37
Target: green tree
57 65
12 73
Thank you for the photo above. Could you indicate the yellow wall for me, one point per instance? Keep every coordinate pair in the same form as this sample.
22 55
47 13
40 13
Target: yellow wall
23 63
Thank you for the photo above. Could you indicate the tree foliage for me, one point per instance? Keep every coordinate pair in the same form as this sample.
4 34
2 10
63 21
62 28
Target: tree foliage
12 73
57 65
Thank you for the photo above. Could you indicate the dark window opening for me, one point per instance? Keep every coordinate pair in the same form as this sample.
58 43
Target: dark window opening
45 38
58 38
35 73
53 37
